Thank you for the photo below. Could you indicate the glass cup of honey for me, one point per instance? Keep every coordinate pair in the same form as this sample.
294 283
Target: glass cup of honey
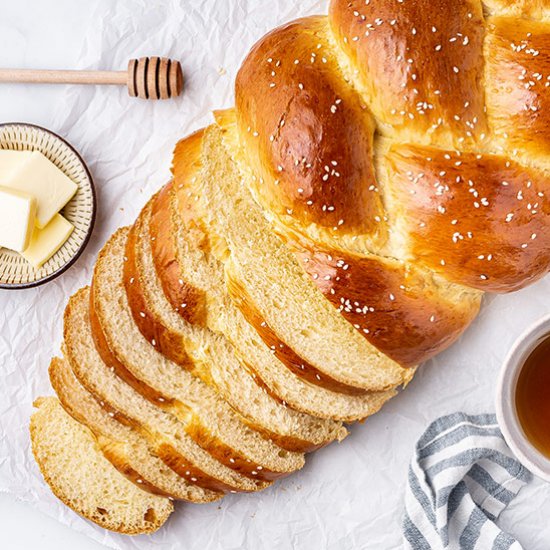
523 399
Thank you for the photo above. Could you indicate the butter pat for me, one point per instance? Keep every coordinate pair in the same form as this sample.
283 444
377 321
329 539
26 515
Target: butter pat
10 161
17 217
42 179
47 241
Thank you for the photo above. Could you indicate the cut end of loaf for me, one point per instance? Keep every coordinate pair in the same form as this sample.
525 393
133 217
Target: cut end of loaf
82 478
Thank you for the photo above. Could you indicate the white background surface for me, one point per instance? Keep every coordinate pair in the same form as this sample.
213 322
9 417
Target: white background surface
349 495
26 31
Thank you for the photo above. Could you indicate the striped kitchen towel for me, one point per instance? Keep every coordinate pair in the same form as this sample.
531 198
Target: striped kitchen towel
461 478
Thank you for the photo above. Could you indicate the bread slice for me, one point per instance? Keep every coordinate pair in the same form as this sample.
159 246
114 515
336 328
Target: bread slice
278 291
78 474
122 445
201 275
215 359
166 435
214 424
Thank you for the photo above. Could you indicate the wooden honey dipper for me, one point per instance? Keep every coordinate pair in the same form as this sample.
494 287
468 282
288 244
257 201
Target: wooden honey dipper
146 77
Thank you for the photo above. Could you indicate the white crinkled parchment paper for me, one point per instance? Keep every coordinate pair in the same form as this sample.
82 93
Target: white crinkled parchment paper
348 495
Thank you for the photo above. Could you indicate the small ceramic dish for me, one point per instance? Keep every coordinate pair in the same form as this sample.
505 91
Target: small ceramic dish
15 271
507 415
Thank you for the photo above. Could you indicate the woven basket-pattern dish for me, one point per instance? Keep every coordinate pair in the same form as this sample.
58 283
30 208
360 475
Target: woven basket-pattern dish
15 271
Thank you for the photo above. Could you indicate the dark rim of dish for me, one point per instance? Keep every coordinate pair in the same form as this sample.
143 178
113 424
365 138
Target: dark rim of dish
63 268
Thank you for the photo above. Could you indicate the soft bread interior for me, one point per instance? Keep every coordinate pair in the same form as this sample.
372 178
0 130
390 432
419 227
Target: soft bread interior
80 476
276 285
201 269
241 388
227 426
121 444
165 433
213 423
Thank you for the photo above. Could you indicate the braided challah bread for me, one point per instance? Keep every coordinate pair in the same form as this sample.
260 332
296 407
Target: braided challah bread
383 167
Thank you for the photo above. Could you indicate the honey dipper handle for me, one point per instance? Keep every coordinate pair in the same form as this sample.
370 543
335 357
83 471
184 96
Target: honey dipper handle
146 77
63 77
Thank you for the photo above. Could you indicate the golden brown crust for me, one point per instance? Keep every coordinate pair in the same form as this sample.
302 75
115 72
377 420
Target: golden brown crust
305 132
480 220
70 354
113 451
112 361
166 342
229 457
186 300
282 351
172 347
286 442
421 62
517 54
173 459
152 325
194 426
531 8
186 469
397 308
184 168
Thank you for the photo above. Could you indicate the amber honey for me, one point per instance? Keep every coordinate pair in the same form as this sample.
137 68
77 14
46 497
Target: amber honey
533 397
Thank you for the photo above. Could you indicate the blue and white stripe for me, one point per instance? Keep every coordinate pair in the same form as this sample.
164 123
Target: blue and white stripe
461 478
